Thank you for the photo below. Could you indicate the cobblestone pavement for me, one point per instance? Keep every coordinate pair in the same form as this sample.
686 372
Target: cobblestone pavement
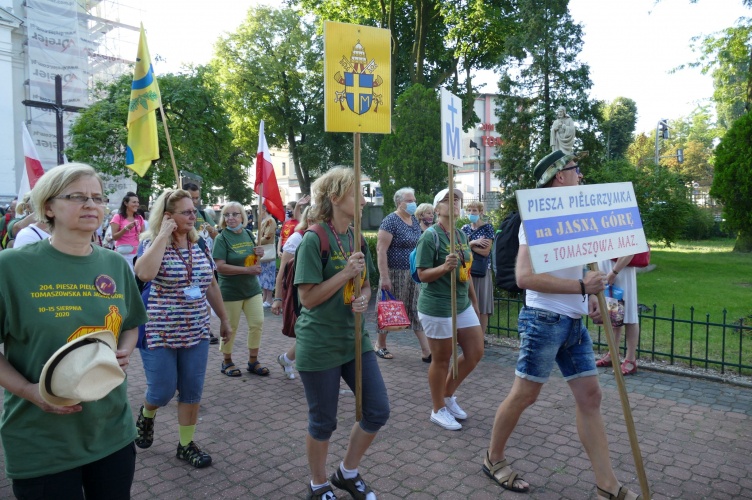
695 435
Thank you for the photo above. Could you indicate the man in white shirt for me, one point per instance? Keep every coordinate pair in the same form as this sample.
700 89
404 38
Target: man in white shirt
551 330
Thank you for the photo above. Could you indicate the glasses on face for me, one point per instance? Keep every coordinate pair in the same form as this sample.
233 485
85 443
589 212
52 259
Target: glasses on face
188 213
233 214
574 167
81 199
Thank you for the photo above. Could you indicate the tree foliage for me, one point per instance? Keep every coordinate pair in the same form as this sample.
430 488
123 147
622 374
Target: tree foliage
542 74
411 155
726 56
662 196
434 42
618 126
732 183
270 69
198 125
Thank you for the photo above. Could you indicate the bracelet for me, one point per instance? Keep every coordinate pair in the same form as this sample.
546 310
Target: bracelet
275 300
614 271
582 289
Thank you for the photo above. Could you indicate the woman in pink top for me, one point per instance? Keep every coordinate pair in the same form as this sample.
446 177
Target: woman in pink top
126 227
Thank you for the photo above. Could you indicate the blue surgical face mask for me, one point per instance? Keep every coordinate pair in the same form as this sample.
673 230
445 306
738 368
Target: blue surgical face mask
473 218
232 227
411 207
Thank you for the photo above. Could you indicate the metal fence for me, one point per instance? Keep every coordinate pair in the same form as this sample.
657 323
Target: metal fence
695 341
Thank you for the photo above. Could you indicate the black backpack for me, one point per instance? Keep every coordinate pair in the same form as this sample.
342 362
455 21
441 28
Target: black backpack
506 246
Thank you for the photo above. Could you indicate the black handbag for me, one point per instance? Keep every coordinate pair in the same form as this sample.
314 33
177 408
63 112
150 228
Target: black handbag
479 267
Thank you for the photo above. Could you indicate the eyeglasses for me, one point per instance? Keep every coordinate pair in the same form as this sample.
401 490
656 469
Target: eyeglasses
82 199
233 214
188 213
575 167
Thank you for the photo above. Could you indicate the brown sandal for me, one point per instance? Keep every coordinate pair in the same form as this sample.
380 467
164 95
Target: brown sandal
506 482
620 495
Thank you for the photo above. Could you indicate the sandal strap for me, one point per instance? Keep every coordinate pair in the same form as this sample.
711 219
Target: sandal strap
494 468
620 495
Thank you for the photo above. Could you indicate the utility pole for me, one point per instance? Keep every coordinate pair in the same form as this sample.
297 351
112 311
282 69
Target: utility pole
474 145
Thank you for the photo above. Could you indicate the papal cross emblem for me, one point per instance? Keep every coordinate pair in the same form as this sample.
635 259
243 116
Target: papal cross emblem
359 82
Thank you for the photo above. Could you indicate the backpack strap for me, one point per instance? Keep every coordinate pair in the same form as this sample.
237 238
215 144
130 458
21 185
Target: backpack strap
323 242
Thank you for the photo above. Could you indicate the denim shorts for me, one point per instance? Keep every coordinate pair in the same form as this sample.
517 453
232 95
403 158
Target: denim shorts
169 370
546 337
322 393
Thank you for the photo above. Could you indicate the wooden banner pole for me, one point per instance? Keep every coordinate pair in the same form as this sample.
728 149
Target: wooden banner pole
613 349
356 284
169 145
453 277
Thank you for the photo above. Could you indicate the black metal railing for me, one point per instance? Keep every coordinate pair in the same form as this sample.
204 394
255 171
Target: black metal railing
724 346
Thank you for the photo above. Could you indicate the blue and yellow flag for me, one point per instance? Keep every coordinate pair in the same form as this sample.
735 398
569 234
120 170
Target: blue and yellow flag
143 146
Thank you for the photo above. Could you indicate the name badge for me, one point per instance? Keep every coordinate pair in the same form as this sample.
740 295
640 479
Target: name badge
192 292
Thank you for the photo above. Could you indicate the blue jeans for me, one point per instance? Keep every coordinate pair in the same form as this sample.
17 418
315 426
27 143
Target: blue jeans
322 394
108 478
169 370
546 337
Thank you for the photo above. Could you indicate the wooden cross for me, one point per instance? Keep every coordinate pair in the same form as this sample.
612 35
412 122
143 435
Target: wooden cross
58 107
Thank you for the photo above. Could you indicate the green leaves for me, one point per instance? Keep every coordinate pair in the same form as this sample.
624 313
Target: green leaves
142 100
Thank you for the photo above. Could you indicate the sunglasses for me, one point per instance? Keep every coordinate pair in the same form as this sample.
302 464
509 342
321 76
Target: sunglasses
575 167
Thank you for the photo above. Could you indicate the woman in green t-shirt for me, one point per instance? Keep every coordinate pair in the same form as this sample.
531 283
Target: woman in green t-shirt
325 335
236 254
434 264
51 293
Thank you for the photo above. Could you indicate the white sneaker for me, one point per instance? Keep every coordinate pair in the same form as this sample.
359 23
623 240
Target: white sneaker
454 408
288 367
445 420
266 305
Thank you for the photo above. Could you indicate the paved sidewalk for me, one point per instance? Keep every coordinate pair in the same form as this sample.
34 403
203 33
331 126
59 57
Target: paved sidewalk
695 435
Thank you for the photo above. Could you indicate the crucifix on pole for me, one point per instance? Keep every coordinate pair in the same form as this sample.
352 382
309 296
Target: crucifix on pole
58 107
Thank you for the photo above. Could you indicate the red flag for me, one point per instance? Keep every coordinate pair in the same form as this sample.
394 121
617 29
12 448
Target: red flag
265 177
33 170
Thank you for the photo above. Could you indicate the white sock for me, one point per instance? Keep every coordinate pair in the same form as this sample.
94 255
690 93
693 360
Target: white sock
315 487
347 474
287 360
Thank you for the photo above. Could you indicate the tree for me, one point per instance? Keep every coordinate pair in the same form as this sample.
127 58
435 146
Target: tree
662 196
732 183
642 150
199 129
541 74
696 134
619 120
411 155
727 56
270 69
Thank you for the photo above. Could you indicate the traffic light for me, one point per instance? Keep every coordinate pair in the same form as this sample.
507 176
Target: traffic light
680 155
663 128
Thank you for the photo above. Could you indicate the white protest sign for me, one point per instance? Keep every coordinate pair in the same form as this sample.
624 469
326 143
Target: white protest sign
577 225
451 128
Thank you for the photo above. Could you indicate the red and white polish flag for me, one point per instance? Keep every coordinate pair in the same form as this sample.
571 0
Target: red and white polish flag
267 180
33 167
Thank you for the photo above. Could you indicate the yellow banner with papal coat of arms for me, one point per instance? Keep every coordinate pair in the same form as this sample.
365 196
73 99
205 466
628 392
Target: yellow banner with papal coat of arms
357 79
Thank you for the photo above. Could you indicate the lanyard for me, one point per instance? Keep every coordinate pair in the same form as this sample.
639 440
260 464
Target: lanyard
339 243
189 264
460 252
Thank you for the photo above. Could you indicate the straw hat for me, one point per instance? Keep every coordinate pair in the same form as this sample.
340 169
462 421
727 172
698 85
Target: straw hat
85 369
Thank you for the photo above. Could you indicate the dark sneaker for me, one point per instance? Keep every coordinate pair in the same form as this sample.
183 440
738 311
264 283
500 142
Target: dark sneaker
145 428
212 339
323 493
356 487
193 455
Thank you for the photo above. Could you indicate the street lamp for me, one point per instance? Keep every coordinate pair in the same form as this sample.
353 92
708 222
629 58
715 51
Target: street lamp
474 145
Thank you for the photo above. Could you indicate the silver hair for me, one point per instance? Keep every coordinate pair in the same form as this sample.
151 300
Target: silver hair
400 194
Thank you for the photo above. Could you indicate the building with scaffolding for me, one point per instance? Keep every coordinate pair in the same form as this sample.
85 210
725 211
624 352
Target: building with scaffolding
83 41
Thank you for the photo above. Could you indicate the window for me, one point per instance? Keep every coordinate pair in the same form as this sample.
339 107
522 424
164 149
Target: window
284 169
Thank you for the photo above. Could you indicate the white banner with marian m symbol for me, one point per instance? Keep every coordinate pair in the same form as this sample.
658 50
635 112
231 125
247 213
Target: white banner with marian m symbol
574 226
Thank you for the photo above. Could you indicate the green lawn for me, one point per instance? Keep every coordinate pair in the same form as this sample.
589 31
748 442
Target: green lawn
705 275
